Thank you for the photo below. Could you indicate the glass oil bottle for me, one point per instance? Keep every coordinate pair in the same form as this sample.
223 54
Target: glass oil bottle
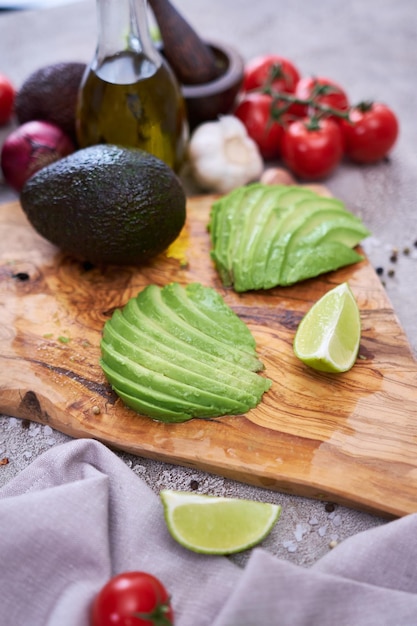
129 96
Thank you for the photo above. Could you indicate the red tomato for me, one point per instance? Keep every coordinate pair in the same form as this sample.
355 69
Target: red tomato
7 95
324 91
310 150
132 599
254 110
258 71
371 132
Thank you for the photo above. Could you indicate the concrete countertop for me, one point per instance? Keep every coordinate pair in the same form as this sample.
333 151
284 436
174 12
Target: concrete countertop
369 47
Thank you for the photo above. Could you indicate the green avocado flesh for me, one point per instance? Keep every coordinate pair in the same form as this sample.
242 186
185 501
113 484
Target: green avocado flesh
265 236
175 353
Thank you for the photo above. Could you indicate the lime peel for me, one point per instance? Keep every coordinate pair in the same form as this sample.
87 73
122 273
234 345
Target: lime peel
328 336
216 524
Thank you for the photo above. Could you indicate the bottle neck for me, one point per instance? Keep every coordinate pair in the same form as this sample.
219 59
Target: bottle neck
123 29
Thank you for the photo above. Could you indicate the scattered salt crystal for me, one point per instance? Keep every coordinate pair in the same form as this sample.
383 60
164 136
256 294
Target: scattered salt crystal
337 520
33 432
322 530
299 532
27 454
50 441
290 545
47 430
313 521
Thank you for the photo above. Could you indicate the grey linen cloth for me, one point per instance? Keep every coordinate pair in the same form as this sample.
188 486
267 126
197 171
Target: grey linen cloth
78 515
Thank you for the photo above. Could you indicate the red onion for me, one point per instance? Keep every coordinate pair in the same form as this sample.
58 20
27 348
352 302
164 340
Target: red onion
31 147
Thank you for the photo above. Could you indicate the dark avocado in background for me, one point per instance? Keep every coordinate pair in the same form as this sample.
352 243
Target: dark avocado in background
107 205
50 94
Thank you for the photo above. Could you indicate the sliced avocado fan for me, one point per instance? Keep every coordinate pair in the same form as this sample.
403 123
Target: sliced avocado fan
265 236
175 353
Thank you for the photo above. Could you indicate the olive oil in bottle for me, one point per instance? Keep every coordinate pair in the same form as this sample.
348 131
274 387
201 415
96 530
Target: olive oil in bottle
129 96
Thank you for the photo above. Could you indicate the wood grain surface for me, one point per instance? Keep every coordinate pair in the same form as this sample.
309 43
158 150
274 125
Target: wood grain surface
350 438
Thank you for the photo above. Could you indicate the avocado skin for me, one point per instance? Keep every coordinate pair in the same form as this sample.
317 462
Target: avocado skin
107 205
50 93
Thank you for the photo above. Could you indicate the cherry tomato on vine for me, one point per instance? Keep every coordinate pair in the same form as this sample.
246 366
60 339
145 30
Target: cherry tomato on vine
132 599
7 96
254 110
258 71
324 91
311 149
370 133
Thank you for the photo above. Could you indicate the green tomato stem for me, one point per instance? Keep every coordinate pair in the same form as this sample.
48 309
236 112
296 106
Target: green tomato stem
282 101
157 617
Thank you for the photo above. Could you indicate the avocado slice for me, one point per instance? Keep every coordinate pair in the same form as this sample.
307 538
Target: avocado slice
222 218
152 402
159 355
211 303
329 256
302 210
268 252
318 219
145 407
216 226
175 297
243 263
292 195
139 380
270 230
322 220
262 248
236 237
155 336
349 236
156 412
160 358
150 302
306 213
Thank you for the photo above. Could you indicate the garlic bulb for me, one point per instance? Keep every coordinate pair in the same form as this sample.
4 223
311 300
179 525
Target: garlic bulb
222 156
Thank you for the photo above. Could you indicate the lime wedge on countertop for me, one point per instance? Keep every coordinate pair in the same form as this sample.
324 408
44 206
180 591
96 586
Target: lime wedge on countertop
328 336
216 524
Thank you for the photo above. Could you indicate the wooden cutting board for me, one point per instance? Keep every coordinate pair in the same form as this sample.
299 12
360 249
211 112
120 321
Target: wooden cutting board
350 438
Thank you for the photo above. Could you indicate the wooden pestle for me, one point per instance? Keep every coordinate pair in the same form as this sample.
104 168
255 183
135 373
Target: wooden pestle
192 60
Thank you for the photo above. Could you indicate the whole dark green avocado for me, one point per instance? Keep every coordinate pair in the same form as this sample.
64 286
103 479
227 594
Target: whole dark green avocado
107 205
50 93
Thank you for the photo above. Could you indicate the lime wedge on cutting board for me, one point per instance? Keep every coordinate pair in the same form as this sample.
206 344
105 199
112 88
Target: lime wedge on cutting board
328 336
216 524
